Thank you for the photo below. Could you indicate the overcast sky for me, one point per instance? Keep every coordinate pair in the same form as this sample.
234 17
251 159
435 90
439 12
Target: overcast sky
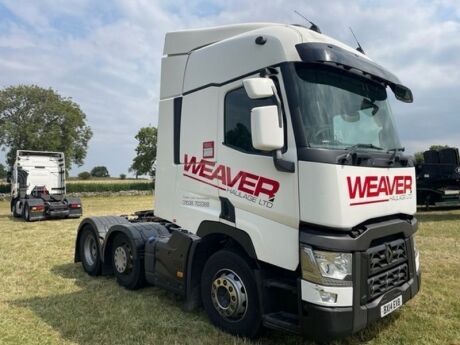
106 56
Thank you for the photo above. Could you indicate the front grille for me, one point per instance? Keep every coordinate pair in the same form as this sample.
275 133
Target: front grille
387 267
386 281
386 255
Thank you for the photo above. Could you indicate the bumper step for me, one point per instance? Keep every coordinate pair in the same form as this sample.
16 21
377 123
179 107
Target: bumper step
282 321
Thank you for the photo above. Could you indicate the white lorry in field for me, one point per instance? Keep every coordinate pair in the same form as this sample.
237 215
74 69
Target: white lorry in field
38 187
283 198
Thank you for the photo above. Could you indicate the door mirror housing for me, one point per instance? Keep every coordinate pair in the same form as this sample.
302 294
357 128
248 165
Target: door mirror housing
257 88
267 131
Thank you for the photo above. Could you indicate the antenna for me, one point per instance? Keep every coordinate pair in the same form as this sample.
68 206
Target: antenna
313 26
360 49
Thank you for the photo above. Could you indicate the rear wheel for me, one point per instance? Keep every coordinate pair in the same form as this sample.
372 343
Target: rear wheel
127 264
89 252
229 294
26 213
14 209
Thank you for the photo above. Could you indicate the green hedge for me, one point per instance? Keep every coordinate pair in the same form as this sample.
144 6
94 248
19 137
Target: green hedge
96 187
5 188
107 187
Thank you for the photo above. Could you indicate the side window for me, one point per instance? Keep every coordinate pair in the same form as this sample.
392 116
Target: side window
237 119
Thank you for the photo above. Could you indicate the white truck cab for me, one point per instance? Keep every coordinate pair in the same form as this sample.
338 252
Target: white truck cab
280 180
38 187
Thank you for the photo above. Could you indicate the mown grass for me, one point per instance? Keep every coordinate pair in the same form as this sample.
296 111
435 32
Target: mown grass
47 299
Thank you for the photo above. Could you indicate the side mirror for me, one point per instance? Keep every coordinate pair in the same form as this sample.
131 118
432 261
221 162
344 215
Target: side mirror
402 93
259 87
267 131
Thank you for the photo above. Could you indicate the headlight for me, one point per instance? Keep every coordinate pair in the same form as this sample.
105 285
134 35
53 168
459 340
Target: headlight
417 256
327 268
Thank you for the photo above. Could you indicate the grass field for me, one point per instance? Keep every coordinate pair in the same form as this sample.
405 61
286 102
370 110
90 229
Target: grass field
47 299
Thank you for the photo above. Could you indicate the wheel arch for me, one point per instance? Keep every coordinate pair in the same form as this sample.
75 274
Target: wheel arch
214 236
100 227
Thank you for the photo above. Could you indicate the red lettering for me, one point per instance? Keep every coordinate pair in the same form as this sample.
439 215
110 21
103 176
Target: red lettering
407 184
206 170
246 185
358 188
399 180
246 182
391 186
231 182
267 187
372 186
191 164
219 174
383 186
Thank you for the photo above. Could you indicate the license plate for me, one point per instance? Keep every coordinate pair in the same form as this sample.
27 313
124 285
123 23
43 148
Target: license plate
391 306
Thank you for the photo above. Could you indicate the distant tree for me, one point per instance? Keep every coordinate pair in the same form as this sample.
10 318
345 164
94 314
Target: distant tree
34 118
122 176
439 147
84 175
418 157
100 171
146 152
3 172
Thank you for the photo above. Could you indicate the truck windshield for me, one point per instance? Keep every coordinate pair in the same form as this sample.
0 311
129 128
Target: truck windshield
342 111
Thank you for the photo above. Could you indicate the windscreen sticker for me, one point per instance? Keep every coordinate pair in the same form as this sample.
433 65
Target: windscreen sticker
243 184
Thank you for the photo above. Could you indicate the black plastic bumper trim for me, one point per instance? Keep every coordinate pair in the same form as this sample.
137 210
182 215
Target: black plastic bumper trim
326 323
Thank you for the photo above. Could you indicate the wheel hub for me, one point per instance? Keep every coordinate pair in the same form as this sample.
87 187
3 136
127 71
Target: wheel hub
120 259
229 295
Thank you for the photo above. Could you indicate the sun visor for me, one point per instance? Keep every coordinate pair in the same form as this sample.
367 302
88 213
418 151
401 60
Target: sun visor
332 55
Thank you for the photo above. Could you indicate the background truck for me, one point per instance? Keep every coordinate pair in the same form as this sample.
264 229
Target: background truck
283 198
38 187
438 178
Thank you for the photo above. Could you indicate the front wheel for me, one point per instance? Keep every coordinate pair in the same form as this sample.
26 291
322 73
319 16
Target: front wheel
229 294
127 264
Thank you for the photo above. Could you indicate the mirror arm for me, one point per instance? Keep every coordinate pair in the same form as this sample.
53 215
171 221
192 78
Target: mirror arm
278 104
282 164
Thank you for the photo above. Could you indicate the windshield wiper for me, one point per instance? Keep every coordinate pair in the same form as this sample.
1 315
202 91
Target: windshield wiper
364 146
353 157
395 157
397 149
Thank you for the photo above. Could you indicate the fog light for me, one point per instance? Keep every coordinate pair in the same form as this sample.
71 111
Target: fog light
328 297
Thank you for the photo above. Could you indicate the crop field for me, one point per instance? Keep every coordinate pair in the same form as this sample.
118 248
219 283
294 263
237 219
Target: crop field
47 299
108 180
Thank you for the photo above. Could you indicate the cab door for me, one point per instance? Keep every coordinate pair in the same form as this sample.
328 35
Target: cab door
263 199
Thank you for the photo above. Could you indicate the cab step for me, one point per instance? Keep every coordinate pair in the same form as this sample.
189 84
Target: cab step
282 321
281 284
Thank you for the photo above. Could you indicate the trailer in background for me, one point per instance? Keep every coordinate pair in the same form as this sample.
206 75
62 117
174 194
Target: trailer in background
438 178
38 187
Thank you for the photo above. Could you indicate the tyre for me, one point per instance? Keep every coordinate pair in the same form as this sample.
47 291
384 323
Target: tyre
127 265
229 294
14 210
26 213
89 252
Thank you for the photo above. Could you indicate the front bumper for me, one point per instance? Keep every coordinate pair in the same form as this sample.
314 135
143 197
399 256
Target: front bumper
356 307
327 323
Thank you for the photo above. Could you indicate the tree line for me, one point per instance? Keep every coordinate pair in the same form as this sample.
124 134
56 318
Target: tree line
35 118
